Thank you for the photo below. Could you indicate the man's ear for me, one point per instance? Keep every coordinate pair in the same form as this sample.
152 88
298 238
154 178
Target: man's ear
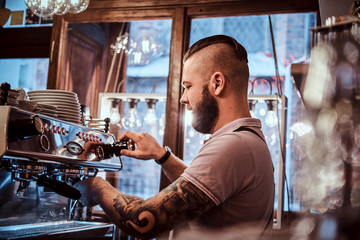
218 82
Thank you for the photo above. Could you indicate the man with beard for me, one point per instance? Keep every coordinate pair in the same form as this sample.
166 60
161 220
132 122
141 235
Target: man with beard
229 183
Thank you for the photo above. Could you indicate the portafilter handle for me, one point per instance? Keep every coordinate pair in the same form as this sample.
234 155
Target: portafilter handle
59 187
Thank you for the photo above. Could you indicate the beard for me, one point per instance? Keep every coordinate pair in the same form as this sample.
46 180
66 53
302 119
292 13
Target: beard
205 113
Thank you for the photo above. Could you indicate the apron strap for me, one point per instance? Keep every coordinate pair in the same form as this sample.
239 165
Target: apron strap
243 128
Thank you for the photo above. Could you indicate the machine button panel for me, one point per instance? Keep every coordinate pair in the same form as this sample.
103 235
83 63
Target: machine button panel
89 137
55 129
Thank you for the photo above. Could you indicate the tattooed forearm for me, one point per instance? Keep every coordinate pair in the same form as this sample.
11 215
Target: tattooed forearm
136 219
179 202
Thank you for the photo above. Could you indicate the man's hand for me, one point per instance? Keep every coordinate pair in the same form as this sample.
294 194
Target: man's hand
90 188
146 146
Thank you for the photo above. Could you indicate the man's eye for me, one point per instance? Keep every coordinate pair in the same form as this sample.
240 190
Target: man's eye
187 87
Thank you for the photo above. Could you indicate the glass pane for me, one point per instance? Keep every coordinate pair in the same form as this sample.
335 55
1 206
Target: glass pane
147 70
27 73
292 42
21 16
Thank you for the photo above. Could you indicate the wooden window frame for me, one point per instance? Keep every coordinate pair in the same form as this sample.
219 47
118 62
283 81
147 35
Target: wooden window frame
58 44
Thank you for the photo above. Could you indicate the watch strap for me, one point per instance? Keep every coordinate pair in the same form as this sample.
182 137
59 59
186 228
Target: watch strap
165 157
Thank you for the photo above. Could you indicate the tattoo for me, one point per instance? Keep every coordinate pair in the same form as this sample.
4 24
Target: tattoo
124 205
181 201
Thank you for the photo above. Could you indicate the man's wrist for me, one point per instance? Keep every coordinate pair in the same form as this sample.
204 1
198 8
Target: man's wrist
165 157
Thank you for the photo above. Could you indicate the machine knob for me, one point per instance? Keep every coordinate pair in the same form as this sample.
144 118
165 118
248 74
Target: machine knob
23 128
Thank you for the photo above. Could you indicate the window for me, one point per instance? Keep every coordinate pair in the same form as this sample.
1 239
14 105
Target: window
22 63
292 42
27 73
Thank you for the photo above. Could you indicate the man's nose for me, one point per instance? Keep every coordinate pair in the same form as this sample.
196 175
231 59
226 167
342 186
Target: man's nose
183 99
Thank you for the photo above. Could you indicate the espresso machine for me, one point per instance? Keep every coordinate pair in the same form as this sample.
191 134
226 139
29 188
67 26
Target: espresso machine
41 157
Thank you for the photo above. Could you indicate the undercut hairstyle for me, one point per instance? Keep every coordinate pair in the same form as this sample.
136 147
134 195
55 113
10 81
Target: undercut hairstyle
240 51
221 53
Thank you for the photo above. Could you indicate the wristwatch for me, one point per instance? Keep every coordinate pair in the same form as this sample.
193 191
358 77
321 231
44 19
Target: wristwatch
165 157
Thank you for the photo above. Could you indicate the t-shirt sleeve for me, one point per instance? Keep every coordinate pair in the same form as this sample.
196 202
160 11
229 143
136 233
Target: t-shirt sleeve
224 166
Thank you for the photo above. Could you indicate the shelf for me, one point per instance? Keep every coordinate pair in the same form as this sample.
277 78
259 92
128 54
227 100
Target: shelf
126 96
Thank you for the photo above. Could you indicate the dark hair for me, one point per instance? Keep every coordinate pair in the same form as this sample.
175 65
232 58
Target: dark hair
240 51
